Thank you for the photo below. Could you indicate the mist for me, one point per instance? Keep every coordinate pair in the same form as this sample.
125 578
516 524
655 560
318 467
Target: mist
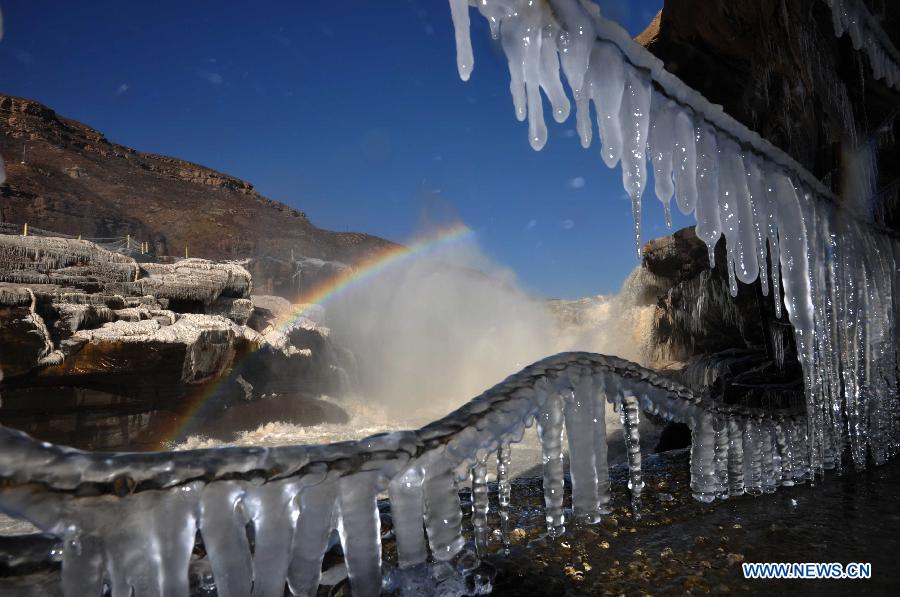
434 331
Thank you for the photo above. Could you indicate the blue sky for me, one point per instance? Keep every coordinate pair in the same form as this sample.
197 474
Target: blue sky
349 110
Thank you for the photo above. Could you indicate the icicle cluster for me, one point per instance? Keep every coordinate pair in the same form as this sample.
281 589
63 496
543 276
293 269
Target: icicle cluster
130 521
838 276
49 260
852 16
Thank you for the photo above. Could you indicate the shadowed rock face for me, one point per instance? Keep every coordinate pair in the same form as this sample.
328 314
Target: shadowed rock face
75 181
778 68
733 347
101 351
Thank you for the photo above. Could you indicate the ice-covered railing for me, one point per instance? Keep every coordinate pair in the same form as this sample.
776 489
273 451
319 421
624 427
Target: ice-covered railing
852 16
130 521
838 274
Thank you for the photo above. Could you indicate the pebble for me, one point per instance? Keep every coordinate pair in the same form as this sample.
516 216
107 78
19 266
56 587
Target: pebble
574 573
734 558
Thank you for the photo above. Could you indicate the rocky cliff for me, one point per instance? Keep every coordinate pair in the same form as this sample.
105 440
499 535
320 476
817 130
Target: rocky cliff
777 67
67 177
734 348
98 350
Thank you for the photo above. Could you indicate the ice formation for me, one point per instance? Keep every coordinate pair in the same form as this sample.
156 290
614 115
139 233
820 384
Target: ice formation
852 17
781 224
130 521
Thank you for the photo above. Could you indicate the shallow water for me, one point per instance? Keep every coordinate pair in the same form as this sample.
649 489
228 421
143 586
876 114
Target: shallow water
681 546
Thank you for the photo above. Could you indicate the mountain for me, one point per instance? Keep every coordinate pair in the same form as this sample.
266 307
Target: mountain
66 177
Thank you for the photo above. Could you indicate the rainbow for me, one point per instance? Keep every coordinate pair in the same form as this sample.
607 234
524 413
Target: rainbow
328 289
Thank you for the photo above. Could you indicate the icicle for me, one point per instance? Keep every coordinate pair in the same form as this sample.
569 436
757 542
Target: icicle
550 428
768 472
531 57
635 121
579 417
512 32
735 457
443 516
480 506
685 162
222 526
137 544
752 458
583 120
504 489
720 455
774 243
703 468
707 210
494 12
600 445
797 292
799 463
608 72
408 514
759 205
661 144
784 444
630 422
318 509
465 62
550 82
575 41
360 530
736 212
273 510
829 455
